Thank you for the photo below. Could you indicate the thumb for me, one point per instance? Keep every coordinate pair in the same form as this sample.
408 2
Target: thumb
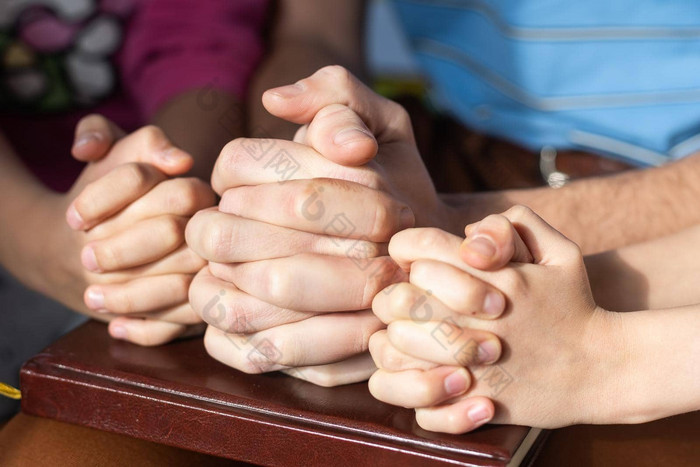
94 136
147 145
339 135
300 102
493 243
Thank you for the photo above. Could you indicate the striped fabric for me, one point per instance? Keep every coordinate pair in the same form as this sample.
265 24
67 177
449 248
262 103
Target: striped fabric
618 77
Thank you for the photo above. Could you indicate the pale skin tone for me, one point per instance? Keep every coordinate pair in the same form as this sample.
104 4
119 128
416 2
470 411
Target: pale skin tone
274 236
567 360
113 246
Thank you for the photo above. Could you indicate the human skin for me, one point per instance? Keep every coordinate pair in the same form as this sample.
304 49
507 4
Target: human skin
567 360
148 303
397 165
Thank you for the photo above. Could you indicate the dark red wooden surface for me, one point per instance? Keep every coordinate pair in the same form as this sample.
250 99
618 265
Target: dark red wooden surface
177 395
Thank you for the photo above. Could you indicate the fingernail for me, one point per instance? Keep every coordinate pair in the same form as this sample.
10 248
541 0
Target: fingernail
88 137
351 135
479 414
488 352
73 218
118 332
288 91
95 299
494 304
482 246
457 382
407 218
89 260
172 156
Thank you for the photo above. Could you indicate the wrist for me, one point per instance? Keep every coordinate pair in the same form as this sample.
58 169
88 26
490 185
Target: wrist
605 387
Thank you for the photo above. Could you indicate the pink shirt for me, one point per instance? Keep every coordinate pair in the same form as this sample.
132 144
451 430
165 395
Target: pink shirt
120 58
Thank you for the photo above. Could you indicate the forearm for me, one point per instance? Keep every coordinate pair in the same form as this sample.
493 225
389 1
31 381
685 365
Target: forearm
647 366
201 122
649 275
23 195
301 43
603 213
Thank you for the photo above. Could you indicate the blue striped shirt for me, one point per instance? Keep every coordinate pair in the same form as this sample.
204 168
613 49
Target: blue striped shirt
618 77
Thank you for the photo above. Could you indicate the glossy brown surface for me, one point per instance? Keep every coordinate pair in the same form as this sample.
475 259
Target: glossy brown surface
28 441
177 395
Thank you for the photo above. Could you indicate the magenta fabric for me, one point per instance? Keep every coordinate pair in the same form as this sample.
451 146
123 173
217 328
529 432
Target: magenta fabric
173 46
169 47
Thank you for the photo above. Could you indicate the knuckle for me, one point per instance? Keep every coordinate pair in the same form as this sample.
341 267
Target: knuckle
391 358
519 212
171 230
182 196
400 115
134 176
333 110
427 239
266 354
338 74
514 283
230 161
232 153
192 262
219 238
377 277
180 285
369 178
123 302
423 393
573 253
469 297
300 202
152 136
402 299
383 222
108 256
278 283
237 317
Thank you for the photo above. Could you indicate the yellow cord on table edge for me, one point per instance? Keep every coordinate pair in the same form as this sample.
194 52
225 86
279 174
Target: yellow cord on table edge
8 391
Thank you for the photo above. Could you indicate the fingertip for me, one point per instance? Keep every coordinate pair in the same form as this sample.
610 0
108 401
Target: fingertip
89 259
74 219
278 101
173 161
479 252
145 332
353 147
90 146
494 304
457 418
489 351
480 412
457 382
285 92
118 329
94 299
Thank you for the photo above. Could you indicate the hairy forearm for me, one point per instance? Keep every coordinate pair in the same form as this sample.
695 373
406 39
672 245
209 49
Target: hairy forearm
647 366
603 213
